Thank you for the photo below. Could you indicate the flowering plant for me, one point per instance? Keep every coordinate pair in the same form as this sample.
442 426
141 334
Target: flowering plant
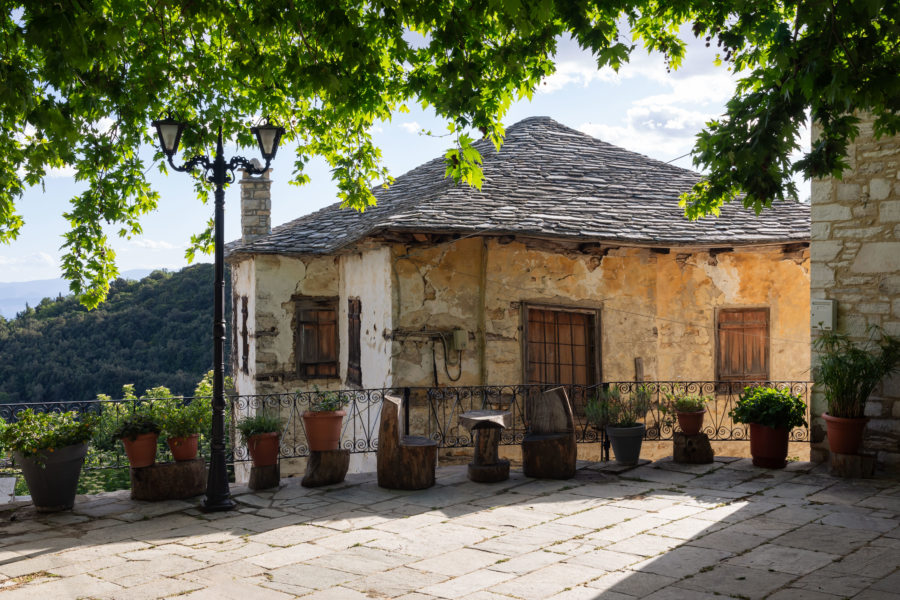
33 433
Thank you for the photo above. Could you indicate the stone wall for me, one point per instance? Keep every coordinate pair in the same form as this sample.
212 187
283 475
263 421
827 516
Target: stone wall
653 305
855 253
256 206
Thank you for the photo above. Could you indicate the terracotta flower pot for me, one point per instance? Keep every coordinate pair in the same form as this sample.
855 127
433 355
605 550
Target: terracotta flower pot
141 451
691 422
845 435
769 446
263 449
184 448
323 429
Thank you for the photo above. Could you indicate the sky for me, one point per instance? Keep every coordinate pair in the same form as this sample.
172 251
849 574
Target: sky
641 108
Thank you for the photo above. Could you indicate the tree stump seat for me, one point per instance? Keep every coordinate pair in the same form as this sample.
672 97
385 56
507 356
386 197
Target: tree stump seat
692 449
326 467
549 450
486 465
404 462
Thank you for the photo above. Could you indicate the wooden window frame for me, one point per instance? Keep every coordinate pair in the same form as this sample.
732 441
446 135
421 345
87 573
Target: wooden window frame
354 341
302 303
766 346
595 373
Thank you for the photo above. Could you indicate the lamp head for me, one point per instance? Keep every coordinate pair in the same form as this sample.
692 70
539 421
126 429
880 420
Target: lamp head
268 136
169 132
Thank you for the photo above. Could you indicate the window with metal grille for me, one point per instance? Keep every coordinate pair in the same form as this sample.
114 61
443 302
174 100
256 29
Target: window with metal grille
354 369
560 346
742 341
316 341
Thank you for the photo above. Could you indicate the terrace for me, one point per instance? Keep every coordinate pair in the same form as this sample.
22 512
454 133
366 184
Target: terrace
660 531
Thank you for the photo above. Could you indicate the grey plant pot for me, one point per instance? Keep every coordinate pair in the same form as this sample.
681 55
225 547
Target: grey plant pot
626 443
52 477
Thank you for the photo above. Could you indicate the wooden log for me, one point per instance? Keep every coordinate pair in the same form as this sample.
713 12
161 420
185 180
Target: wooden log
326 467
492 473
692 449
549 455
263 478
487 440
855 466
403 463
169 481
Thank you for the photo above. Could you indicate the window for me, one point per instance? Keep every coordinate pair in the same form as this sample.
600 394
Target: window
354 370
316 341
559 346
742 340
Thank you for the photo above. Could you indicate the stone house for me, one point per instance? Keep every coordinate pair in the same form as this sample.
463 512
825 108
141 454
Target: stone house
855 256
571 262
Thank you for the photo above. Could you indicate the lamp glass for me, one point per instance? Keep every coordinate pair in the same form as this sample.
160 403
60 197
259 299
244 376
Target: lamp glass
268 137
169 134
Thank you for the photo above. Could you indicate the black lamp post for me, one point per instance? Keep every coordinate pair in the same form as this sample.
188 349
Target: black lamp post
218 172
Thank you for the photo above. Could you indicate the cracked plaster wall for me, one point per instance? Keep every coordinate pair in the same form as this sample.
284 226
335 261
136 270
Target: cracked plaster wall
660 307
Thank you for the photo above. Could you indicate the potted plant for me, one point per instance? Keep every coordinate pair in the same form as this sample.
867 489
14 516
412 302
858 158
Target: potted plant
50 449
260 433
322 421
849 373
621 418
771 414
689 410
139 432
182 425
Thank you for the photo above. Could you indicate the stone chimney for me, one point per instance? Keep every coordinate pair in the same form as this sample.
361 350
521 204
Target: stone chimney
256 206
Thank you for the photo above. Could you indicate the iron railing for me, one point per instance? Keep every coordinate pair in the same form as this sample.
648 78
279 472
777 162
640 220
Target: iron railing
432 412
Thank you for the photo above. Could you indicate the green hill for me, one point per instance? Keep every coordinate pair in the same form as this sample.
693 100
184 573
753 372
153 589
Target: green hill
156 331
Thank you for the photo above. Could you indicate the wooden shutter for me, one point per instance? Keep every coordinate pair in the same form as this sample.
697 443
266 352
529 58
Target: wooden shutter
559 347
354 368
317 338
743 344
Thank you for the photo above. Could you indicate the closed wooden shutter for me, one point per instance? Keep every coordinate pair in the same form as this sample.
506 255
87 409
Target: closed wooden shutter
743 344
559 347
354 368
317 338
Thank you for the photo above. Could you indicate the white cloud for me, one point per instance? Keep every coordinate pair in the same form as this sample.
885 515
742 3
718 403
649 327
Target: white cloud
154 244
411 127
36 259
580 72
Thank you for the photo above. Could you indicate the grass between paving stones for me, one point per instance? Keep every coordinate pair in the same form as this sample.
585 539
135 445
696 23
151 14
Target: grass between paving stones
11 584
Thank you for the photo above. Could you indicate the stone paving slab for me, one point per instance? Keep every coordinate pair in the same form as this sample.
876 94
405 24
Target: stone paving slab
658 531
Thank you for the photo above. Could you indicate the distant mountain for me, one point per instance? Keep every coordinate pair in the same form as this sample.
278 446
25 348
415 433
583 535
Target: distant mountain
153 332
14 295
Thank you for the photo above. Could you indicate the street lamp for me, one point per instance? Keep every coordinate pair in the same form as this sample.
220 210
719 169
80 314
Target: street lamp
218 172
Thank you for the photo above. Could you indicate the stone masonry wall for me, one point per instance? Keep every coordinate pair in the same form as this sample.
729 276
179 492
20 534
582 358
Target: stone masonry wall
256 206
855 253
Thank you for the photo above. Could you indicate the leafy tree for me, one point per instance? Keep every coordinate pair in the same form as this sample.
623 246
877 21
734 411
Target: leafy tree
60 352
82 80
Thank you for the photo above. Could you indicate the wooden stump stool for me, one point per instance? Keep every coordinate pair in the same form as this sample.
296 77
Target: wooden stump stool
548 449
326 467
486 425
404 462
169 481
692 449
262 478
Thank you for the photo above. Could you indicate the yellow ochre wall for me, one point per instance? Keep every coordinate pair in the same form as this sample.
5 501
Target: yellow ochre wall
657 306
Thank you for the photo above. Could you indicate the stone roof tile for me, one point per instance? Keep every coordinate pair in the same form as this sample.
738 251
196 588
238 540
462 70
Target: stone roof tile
550 181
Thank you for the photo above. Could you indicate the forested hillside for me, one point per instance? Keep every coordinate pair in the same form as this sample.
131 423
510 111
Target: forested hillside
157 331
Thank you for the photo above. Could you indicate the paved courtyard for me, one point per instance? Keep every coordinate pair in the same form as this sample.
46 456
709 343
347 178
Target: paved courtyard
661 531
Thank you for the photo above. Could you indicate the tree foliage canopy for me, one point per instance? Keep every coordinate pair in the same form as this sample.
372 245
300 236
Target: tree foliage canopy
80 82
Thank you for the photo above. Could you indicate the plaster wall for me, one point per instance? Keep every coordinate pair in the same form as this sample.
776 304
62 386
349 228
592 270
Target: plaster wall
367 276
656 306
243 285
855 260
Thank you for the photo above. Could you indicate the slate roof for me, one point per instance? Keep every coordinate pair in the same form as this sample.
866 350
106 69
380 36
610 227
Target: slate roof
547 181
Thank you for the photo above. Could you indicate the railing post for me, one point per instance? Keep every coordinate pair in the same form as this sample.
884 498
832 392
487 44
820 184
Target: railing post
406 395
